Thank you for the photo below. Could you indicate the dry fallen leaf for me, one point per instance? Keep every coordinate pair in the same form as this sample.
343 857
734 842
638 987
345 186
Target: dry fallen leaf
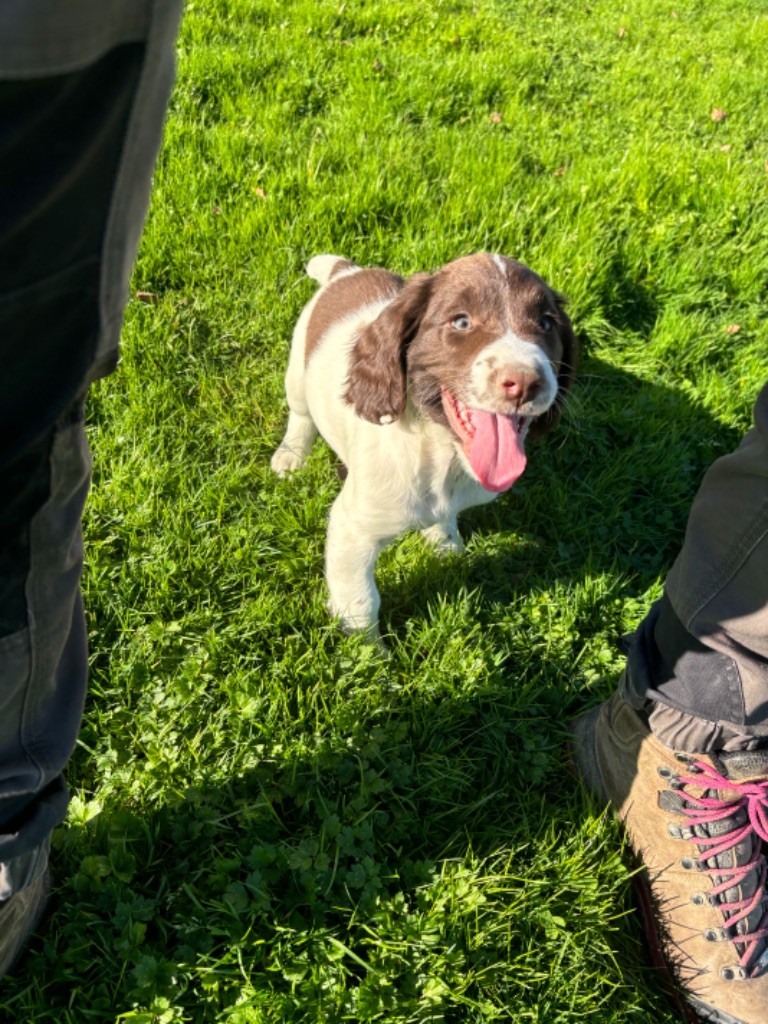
733 328
726 148
260 193
718 114
217 211
622 32
149 297
559 172
496 117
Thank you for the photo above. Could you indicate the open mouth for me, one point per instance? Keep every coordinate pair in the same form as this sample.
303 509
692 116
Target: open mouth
492 442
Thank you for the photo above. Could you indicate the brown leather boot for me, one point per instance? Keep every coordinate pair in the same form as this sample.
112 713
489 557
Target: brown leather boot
19 916
696 824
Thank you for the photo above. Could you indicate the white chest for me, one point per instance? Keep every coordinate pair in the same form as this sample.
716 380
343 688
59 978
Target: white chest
441 486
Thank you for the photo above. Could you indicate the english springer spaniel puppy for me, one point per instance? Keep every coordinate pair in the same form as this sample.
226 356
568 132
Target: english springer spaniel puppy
427 390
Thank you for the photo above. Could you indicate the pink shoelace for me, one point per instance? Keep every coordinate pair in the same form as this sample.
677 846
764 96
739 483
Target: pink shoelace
704 810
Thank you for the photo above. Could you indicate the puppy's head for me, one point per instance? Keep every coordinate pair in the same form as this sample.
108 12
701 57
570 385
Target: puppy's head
486 350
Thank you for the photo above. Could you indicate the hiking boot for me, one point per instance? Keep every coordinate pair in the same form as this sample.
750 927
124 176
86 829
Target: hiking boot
695 821
19 916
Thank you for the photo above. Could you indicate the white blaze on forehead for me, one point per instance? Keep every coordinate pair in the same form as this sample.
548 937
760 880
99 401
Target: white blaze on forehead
501 266
499 261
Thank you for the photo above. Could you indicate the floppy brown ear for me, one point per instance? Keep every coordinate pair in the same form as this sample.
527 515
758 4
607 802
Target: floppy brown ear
565 373
376 385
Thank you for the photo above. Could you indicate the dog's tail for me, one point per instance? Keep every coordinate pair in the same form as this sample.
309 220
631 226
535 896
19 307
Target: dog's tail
323 268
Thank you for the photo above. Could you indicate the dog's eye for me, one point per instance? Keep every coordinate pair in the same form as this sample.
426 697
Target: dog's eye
461 322
546 323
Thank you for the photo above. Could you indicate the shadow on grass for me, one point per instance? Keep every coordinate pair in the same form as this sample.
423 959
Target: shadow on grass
609 491
342 883
629 304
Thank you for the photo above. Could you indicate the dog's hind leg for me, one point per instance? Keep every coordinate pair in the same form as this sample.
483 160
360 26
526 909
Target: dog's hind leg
301 431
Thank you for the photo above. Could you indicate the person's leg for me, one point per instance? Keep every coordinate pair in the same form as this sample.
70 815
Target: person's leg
681 749
83 91
701 655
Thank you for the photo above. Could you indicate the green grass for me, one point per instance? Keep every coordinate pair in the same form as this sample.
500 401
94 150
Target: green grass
272 823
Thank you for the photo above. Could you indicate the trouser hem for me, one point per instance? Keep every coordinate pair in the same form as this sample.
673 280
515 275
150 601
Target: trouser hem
20 872
691 694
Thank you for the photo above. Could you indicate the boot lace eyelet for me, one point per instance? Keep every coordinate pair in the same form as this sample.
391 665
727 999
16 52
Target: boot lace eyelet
688 761
692 865
733 973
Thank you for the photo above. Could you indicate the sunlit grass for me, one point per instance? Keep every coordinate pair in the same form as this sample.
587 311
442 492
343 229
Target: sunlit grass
273 823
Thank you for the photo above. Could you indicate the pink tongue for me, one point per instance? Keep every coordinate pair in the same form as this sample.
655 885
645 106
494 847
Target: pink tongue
496 451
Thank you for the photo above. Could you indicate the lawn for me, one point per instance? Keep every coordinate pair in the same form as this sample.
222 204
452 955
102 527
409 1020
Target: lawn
271 822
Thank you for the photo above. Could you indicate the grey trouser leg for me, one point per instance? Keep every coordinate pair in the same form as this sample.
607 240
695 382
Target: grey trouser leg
44 666
701 654
83 91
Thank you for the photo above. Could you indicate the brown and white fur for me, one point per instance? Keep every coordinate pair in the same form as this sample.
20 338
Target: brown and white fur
423 388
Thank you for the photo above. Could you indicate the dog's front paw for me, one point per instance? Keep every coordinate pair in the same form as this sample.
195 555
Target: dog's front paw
444 540
285 461
356 620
